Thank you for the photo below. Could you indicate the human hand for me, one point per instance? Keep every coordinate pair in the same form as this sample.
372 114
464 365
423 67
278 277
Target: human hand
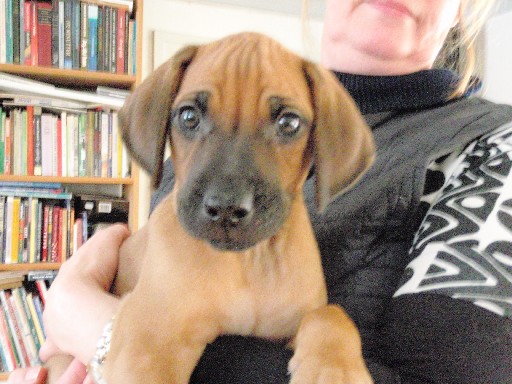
78 304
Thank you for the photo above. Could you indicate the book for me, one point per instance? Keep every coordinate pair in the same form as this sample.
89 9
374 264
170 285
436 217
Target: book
38 154
68 28
30 140
92 37
35 318
8 358
21 32
3 32
61 36
27 31
121 40
2 141
8 146
34 40
47 148
16 29
44 33
55 34
84 35
9 32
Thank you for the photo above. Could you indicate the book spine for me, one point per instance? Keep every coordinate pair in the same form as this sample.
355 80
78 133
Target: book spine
21 32
121 36
34 43
56 238
75 33
44 33
16 29
33 229
113 39
27 30
100 56
2 141
46 144
3 32
92 41
55 33
15 230
68 40
61 36
30 140
84 35
24 142
9 32
9 207
8 147
44 242
38 170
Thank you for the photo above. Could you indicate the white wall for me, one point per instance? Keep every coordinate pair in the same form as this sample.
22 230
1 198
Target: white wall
204 21
498 62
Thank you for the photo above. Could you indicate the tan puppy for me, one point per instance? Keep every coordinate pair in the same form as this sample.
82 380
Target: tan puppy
231 249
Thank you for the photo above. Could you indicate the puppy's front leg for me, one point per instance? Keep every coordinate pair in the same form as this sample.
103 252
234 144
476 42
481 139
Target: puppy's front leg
157 348
328 350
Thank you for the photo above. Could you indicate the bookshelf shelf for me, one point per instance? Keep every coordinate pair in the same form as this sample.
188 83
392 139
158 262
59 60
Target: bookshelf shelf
70 77
69 180
30 267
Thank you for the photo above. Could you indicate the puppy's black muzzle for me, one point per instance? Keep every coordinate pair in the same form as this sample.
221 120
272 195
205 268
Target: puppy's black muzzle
231 202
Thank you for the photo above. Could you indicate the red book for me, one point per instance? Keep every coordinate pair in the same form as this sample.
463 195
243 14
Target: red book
42 289
34 50
27 29
55 234
44 34
30 140
44 242
121 36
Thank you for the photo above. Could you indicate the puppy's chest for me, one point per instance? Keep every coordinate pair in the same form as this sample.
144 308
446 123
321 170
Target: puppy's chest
271 303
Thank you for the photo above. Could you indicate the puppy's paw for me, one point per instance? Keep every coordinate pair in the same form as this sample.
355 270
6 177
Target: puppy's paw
328 350
319 369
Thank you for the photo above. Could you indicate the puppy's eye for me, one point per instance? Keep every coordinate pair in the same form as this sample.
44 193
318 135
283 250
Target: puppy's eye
288 124
189 118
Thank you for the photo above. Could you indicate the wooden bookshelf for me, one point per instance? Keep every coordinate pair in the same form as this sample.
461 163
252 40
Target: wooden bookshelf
70 77
83 80
71 180
29 267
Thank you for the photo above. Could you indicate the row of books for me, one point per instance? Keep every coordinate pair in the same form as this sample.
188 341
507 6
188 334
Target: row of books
42 142
72 34
21 327
46 224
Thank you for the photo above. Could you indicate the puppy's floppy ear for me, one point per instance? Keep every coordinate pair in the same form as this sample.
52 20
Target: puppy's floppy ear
343 143
144 117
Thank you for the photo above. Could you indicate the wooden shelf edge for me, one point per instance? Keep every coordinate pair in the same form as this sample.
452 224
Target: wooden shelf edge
69 180
71 77
30 266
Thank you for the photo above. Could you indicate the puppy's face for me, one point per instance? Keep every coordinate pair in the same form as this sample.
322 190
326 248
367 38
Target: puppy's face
240 141
245 118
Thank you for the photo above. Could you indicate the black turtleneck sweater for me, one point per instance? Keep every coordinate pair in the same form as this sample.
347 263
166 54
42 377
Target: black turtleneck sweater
375 94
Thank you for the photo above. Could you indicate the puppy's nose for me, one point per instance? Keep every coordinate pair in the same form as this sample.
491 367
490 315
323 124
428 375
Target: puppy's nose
226 211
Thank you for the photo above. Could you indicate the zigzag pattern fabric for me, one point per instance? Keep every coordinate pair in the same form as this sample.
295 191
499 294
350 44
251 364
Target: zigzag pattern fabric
464 245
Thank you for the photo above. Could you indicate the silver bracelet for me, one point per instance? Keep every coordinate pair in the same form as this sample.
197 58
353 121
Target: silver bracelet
95 368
